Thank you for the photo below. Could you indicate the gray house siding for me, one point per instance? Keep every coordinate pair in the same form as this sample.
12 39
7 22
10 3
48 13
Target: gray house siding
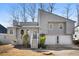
69 27
56 29
45 17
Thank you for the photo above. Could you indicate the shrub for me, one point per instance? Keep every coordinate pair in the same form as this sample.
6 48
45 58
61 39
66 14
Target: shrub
26 40
42 41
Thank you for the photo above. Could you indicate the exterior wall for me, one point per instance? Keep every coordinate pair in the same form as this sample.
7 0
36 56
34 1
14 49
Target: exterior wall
45 17
55 28
17 33
7 39
69 27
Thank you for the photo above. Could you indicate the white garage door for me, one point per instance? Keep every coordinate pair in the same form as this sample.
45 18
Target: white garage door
65 39
51 39
62 39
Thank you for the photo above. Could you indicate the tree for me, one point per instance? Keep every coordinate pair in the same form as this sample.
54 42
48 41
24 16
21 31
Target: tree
41 6
77 9
23 12
31 11
51 7
26 40
67 10
15 14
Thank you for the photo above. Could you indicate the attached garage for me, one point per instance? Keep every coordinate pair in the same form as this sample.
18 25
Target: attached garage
65 39
50 40
58 40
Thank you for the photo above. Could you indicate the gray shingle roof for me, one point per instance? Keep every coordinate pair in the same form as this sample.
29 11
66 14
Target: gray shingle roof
3 29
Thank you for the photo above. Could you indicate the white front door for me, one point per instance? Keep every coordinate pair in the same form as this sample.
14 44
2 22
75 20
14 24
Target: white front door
34 40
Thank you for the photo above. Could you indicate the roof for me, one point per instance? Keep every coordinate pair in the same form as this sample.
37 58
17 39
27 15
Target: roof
15 23
56 15
25 24
3 29
29 23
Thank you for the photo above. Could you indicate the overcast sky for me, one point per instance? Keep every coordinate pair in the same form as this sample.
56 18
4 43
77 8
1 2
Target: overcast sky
5 9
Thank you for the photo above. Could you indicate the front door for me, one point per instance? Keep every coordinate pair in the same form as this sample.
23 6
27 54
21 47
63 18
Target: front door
34 42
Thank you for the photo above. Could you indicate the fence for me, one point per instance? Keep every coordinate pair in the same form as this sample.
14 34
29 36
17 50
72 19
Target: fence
7 38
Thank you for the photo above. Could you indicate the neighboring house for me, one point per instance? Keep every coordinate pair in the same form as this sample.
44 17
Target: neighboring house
58 30
76 34
3 29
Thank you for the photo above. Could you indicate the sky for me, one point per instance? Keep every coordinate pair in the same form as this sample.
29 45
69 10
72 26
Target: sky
5 10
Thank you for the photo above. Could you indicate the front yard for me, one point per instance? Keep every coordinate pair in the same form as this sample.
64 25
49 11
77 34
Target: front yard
9 50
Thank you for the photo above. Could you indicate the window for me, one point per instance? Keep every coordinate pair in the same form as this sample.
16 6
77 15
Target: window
60 26
11 31
50 26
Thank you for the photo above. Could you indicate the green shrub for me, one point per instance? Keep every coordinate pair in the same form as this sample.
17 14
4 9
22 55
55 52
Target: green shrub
42 40
26 40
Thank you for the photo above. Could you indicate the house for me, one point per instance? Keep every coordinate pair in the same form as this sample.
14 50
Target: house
58 30
76 34
3 29
76 29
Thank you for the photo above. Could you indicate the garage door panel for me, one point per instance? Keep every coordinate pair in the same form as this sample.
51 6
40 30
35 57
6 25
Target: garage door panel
50 40
65 39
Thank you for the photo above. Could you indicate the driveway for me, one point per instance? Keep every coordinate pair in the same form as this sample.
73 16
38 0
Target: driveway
63 51
9 50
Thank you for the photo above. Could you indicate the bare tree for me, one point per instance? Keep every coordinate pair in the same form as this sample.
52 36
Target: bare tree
14 15
23 11
41 6
67 10
77 9
31 11
51 7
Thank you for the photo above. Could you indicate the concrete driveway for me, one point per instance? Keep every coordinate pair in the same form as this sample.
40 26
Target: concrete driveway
63 51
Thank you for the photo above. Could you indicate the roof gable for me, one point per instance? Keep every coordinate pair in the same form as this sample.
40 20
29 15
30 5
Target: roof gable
56 15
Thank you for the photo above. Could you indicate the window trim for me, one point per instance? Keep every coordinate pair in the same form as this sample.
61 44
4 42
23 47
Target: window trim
11 31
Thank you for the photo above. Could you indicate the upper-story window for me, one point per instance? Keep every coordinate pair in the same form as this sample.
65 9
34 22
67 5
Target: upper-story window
60 26
11 31
51 25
